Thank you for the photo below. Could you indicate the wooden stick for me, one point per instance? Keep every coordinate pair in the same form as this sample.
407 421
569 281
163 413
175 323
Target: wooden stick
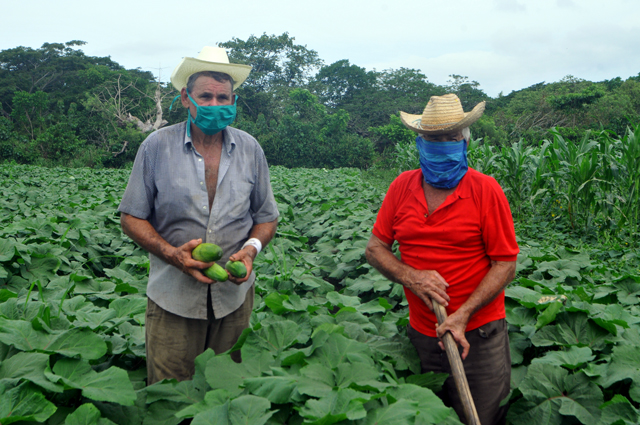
459 377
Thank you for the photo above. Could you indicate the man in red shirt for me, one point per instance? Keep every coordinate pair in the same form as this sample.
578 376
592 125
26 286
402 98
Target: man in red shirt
458 247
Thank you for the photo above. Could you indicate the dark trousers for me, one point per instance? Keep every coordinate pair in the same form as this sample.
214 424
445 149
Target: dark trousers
488 369
173 342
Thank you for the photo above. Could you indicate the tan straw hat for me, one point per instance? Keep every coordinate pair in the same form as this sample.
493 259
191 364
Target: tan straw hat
443 114
210 59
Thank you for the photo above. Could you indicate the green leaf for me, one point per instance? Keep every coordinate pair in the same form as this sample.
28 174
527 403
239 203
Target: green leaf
402 412
431 409
625 364
550 394
181 392
549 314
74 342
431 380
340 404
112 385
249 409
338 349
276 389
87 414
571 329
572 358
24 403
619 411
29 366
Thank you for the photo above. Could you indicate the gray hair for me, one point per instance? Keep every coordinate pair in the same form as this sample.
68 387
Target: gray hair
218 76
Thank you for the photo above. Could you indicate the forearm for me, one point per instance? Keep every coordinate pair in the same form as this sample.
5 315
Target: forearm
143 233
264 232
493 283
383 260
426 284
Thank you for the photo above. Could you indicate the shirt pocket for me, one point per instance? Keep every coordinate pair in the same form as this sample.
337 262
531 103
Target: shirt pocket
239 199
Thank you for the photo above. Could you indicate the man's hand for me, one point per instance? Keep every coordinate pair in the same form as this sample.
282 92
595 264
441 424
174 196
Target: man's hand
181 258
246 255
456 324
427 284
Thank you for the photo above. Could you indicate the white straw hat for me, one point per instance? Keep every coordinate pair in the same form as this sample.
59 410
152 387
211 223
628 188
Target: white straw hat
210 59
443 114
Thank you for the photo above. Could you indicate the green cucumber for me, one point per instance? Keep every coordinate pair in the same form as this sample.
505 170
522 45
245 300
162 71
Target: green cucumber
216 272
236 268
207 252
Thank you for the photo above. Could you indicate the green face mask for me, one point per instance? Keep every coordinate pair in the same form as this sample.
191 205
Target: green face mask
211 119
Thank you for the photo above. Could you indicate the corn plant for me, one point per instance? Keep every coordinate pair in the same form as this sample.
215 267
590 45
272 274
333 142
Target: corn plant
630 185
515 161
573 168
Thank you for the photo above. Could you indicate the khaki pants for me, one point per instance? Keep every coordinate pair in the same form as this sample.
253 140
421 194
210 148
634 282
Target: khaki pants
173 342
488 369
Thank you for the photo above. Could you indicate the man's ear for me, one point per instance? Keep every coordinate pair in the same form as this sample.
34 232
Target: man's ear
184 98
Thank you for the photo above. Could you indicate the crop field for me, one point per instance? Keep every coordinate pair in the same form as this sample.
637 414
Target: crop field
327 341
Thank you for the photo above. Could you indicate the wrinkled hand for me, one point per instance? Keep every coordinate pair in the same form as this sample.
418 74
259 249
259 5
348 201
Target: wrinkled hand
427 284
181 258
246 255
456 324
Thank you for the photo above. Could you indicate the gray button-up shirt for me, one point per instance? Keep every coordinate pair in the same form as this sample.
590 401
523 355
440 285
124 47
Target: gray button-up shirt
167 187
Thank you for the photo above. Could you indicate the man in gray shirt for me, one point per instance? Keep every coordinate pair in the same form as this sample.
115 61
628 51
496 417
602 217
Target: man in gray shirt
198 181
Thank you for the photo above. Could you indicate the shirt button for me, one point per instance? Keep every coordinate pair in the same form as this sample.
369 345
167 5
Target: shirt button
201 182
199 159
205 207
209 230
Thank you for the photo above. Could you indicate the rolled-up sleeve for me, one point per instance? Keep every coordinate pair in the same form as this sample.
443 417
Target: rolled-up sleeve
263 204
138 198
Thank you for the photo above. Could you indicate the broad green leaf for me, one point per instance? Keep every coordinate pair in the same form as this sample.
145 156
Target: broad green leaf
518 342
24 403
571 358
29 366
430 380
359 376
402 412
549 314
87 414
128 306
112 385
338 349
182 392
223 373
571 329
74 342
275 336
340 300
211 400
432 409
276 389
316 380
550 394
341 404
625 364
619 411
249 409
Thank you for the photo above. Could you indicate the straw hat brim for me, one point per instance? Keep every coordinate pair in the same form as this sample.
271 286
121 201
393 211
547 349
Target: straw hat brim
190 66
414 122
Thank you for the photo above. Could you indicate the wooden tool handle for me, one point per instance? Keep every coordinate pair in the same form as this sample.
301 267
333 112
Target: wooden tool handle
459 377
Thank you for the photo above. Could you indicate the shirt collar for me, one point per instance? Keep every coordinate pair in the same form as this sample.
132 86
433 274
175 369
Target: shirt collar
229 142
463 190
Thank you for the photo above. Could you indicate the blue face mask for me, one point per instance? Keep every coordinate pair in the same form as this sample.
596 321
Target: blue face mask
211 119
443 164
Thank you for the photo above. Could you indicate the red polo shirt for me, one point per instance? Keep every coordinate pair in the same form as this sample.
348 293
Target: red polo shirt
472 227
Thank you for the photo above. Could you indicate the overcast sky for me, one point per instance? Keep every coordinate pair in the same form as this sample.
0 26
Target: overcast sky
505 45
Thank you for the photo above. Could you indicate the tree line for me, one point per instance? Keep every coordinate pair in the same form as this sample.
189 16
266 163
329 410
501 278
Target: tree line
59 106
